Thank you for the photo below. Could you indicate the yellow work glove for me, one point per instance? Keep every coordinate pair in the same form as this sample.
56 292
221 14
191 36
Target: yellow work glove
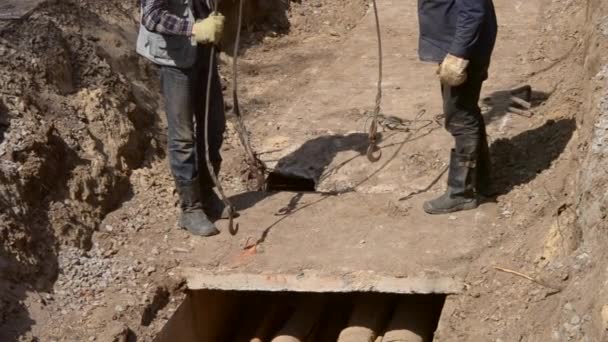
209 30
453 70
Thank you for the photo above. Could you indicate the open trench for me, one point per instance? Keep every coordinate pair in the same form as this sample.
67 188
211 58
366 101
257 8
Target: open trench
258 316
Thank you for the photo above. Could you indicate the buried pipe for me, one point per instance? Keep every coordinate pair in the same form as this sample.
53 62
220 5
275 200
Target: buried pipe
367 319
413 320
303 322
272 321
263 316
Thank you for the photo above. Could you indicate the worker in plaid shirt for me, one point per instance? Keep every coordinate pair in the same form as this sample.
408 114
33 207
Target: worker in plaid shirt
156 17
177 35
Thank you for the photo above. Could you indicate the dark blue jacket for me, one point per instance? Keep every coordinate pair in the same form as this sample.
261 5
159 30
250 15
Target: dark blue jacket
464 28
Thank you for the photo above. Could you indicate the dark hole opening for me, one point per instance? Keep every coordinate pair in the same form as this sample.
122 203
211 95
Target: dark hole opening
244 316
277 181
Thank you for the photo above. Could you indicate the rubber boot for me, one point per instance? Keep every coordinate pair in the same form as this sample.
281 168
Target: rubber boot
460 194
193 218
213 206
484 167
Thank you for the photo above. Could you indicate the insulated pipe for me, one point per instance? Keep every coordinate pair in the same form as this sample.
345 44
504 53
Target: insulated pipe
303 322
367 319
412 321
272 321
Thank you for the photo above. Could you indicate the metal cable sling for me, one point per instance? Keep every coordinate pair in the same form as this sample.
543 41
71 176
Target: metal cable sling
233 230
256 166
373 129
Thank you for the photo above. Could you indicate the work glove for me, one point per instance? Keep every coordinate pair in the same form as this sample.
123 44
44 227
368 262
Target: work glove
453 70
209 30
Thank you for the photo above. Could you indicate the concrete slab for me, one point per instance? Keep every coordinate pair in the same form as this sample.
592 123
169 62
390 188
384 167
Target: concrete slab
317 241
340 243
310 281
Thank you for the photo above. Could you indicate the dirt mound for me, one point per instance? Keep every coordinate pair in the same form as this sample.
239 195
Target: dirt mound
71 132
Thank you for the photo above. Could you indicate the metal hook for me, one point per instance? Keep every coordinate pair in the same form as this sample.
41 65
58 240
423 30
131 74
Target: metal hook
371 149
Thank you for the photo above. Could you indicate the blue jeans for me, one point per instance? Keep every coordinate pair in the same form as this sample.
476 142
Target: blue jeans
184 92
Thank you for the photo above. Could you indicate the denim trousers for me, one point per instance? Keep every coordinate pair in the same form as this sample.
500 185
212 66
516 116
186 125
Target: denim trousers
184 93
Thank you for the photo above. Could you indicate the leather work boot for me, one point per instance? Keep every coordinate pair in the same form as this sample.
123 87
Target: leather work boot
460 194
193 218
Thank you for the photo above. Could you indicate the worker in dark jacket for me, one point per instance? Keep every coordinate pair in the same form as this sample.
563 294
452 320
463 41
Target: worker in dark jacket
177 35
460 35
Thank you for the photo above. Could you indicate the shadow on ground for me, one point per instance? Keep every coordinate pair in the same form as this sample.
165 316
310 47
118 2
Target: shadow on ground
498 103
309 161
518 160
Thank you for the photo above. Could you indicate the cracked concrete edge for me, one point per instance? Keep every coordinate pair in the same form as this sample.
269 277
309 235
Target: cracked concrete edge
310 281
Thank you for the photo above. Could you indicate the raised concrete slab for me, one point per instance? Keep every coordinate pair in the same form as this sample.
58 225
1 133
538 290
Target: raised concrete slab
309 281
348 243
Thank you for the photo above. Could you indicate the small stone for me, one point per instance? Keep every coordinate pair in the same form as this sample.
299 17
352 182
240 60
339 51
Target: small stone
92 338
568 307
575 320
109 228
150 270
119 308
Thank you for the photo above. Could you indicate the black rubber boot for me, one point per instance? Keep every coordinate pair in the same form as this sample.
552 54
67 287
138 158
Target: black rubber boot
484 166
213 206
193 218
460 194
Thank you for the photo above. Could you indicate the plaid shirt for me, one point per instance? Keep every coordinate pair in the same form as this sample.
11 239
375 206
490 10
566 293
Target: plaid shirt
156 18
